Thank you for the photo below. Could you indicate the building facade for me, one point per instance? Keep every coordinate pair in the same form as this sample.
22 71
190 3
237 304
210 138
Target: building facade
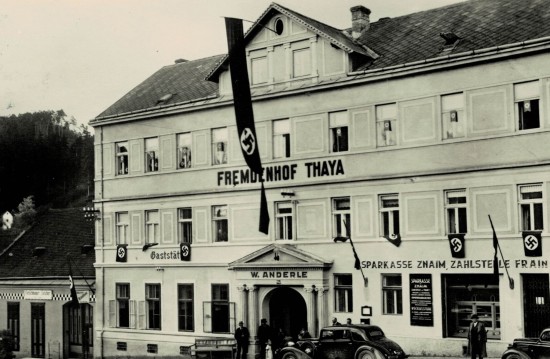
410 136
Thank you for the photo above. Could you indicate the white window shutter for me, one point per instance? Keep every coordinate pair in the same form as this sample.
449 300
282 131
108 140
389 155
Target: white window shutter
207 316
141 314
112 313
133 314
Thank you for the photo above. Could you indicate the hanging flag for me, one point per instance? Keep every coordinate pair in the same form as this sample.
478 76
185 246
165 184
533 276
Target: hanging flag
495 246
532 243
457 245
121 252
394 239
74 297
243 109
185 252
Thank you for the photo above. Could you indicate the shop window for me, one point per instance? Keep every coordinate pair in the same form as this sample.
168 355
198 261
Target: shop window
152 297
343 293
184 150
301 60
452 115
259 70
281 138
471 294
152 231
220 308
386 125
151 154
389 215
219 146
186 318
122 221
392 294
219 221
122 158
526 98
341 216
284 217
185 223
13 323
338 123
530 205
123 305
456 207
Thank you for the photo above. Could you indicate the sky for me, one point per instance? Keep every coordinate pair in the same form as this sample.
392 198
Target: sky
83 55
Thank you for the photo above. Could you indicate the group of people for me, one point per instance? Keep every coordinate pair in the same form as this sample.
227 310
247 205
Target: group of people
336 322
268 339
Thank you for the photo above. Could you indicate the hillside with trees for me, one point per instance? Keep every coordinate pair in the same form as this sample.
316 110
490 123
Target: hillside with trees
47 156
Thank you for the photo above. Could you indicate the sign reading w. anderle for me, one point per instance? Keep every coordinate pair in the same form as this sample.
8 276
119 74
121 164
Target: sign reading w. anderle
243 109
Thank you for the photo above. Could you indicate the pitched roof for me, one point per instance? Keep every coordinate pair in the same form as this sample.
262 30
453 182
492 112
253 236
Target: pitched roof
62 232
479 24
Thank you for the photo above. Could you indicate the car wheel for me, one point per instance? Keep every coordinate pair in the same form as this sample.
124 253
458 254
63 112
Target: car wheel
365 354
515 356
289 355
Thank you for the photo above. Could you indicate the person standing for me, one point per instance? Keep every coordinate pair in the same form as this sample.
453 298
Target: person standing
264 334
242 335
335 321
348 321
477 338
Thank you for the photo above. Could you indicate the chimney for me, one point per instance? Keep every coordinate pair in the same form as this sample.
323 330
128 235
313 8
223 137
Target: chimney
360 21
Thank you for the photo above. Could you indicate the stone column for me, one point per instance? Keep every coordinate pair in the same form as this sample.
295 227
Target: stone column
253 320
322 311
310 302
243 306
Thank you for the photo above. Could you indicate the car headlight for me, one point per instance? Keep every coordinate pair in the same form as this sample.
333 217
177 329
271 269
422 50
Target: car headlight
308 351
290 344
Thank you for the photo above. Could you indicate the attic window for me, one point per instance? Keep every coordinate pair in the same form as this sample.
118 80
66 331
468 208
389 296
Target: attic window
279 26
86 248
38 251
451 40
164 98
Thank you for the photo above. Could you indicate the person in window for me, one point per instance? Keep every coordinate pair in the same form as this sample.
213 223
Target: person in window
477 338
241 336
221 156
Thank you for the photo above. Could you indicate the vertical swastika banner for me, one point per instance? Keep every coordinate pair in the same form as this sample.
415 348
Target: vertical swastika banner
121 252
457 245
532 243
185 252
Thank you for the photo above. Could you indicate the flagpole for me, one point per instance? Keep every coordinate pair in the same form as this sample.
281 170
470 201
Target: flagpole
510 279
365 280
81 275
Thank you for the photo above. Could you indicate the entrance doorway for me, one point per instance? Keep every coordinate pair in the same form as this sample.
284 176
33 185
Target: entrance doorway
536 303
38 330
79 331
287 310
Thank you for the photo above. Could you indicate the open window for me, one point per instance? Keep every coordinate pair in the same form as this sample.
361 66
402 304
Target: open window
452 115
526 98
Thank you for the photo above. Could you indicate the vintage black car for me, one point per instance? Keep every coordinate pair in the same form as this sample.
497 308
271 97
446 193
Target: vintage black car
530 348
345 342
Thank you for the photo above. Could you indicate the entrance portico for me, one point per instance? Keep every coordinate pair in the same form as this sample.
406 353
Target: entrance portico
285 285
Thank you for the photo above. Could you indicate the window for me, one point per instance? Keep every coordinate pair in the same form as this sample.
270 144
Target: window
283 217
185 223
526 98
152 296
530 203
152 232
220 308
259 70
151 154
301 62
13 323
122 221
185 307
80 321
219 219
343 292
341 215
152 348
452 115
455 204
123 304
389 215
386 122
338 123
122 158
219 146
184 150
281 138
392 294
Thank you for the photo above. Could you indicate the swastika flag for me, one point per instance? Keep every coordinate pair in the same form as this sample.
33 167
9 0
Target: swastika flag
457 245
185 252
532 243
121 252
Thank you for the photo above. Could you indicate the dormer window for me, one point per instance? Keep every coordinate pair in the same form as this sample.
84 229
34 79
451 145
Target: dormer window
279 26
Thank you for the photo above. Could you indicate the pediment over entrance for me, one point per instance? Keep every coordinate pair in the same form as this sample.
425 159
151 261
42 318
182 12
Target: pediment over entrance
280 256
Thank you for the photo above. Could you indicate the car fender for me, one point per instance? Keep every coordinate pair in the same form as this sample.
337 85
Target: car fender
297 352
520 353
377 351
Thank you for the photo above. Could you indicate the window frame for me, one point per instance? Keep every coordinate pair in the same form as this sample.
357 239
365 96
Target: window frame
531 203
183 319
281 138
453 116
152 224
122 225
396 292
219 157
284 221
393 213
519 105
151 154
184 141
456 209
220 219
343 303
386 123
153 306
125 299
122 158
13 316
220 301
183 223
339 216
338 120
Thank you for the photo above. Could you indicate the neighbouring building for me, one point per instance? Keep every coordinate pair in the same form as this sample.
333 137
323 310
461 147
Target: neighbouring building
35 289
404 134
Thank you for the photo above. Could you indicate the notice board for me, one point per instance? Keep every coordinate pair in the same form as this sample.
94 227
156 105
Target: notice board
421 294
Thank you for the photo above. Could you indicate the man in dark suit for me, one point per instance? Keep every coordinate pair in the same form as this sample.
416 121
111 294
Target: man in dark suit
264 334
477 338
242 335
